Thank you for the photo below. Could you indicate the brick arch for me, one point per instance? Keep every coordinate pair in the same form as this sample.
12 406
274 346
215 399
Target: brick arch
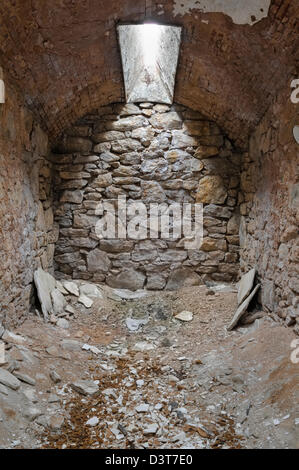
64 58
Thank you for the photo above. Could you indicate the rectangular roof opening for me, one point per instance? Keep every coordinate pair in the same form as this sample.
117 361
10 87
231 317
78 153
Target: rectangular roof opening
149 55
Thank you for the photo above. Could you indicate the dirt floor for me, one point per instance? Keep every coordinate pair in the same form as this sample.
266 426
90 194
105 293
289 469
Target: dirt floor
168 384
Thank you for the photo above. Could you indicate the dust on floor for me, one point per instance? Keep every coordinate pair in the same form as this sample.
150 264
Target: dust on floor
147 380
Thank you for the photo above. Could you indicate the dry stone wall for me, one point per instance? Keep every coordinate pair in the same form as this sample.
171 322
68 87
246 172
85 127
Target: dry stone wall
26 216
151 153
269 206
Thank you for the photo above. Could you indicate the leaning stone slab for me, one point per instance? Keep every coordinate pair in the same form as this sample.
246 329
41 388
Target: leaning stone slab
9 380
246 285
242 308
45 284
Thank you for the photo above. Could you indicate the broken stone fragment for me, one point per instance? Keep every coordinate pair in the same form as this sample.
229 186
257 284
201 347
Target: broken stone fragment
9 380
184 316
143 408
85 387
71 287
58 301
55 377
86 301
151 429
94 421
9 337
90 290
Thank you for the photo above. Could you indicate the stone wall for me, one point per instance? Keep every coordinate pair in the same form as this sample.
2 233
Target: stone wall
26 217
149 153
270 210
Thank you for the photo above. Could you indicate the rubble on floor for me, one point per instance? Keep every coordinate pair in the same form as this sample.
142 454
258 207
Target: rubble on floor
127 373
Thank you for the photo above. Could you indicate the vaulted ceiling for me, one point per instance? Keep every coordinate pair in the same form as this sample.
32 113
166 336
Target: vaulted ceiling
63 55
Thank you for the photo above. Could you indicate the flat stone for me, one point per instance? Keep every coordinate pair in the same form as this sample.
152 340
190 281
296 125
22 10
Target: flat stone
134 324
242 308
55 377
93 349
25 378
86 301
58 301
246 285
184 316
90 290
30 395
143 346
9 380
85 387
130 295
151 429
143 408
9 337
71 287
4 390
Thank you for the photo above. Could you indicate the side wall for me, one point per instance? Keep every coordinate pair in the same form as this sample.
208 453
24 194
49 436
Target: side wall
26 216
270 210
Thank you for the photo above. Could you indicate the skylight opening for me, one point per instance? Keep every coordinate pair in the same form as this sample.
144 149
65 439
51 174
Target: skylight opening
149 54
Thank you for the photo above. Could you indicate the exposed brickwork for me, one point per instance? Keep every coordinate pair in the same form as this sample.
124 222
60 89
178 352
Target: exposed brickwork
270 210
26 217
65 58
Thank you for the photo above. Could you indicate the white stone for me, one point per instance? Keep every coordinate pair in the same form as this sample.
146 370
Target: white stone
90 290
143 408
93 349
134 324
92 421
143 346
151 429
45 284
85 387
9 337
184 316
71 287
9 380
86 301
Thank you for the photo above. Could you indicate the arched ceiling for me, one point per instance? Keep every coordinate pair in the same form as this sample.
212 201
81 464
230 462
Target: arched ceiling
63 55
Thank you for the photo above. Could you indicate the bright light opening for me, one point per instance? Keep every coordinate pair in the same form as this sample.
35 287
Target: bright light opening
149 54
150 39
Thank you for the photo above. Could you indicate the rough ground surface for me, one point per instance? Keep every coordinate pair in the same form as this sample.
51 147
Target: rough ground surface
197 385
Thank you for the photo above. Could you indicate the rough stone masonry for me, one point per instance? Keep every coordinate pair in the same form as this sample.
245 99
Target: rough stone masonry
151 153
